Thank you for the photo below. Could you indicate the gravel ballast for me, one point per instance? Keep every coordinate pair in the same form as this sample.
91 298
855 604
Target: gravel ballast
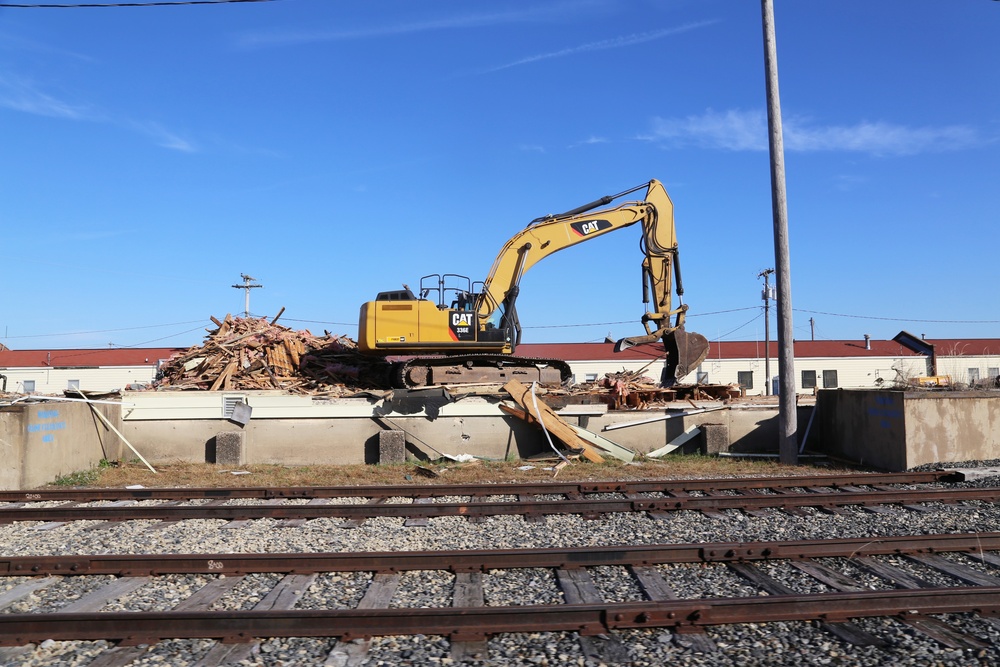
752 644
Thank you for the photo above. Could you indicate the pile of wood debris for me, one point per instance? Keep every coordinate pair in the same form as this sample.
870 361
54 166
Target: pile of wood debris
254 353
631 390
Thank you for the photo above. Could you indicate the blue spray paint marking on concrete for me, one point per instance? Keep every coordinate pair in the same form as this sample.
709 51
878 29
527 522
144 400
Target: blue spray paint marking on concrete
47 427
51 426
885 415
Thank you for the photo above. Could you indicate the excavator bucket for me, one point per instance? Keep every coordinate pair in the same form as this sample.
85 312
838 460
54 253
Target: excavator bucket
685 350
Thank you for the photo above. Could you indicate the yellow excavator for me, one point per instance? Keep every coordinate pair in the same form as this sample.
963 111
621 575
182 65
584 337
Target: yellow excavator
468 331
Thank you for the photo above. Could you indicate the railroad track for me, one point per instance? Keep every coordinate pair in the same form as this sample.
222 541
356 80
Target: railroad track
835 585
437 490
534 501
130 577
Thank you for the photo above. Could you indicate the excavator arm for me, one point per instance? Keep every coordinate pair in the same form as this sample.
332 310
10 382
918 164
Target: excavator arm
660 270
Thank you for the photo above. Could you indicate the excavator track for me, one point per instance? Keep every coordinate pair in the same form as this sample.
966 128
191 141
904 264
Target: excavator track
479 369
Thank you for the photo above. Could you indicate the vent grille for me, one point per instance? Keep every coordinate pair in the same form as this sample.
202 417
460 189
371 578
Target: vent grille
229 404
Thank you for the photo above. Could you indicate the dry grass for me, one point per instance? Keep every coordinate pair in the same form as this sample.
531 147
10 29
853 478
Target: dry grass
209 475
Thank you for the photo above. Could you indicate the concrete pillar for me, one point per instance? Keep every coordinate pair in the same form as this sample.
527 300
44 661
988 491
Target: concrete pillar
715 438
229 448
392 447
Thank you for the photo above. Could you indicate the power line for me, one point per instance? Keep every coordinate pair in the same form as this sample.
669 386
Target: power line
80 333
554 326
339 324
158 3
732 331
573 326
157 340
897 319
602 324
723 312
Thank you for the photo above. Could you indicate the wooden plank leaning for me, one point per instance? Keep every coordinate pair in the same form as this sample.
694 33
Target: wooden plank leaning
550 421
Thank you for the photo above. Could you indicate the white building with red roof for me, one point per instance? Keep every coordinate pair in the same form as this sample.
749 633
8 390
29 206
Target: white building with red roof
95 370
818 364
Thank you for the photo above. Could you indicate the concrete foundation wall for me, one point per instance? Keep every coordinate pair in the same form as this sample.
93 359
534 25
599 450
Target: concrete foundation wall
344 440
952 426
44 441
866 427
895 430
298 430
890 430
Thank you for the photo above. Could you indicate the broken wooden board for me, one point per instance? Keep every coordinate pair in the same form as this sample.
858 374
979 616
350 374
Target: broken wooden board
606 446
676 443
613 449
552 422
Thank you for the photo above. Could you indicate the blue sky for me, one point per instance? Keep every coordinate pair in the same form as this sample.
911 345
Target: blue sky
334 149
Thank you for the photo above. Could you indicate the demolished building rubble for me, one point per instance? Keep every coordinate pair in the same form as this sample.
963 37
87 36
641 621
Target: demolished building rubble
254 353
257 353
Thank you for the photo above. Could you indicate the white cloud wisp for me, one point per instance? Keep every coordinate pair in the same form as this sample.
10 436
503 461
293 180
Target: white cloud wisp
738 130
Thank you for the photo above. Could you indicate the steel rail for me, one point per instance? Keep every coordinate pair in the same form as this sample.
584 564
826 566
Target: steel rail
486 560
437 490
498 508
465 622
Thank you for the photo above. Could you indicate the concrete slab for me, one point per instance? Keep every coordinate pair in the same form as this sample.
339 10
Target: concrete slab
973 474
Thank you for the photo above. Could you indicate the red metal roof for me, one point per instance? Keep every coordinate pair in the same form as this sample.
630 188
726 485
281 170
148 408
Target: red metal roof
139 356
566 351
756 349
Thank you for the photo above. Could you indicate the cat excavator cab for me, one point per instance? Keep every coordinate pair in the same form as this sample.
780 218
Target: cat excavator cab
456 331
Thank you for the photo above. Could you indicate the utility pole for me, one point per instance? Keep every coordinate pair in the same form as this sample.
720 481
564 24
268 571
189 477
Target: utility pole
247 285
767 295
788 449
812 328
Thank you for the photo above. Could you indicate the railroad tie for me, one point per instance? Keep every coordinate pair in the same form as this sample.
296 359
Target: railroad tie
419 522
298 523
95 599
357 523
844 630
284 595
931 627
352 652
578 588
468 593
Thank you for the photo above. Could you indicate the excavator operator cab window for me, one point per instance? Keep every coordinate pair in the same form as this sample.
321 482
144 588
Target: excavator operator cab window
494 330
397 295
464 301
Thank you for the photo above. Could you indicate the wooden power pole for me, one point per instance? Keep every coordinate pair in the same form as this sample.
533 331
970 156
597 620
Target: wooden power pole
788 450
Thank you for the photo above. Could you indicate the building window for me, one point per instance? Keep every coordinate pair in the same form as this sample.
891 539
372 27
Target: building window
973 375
73 384
808 379
590 377
993 373
702 377
829 379
745 378
29 386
